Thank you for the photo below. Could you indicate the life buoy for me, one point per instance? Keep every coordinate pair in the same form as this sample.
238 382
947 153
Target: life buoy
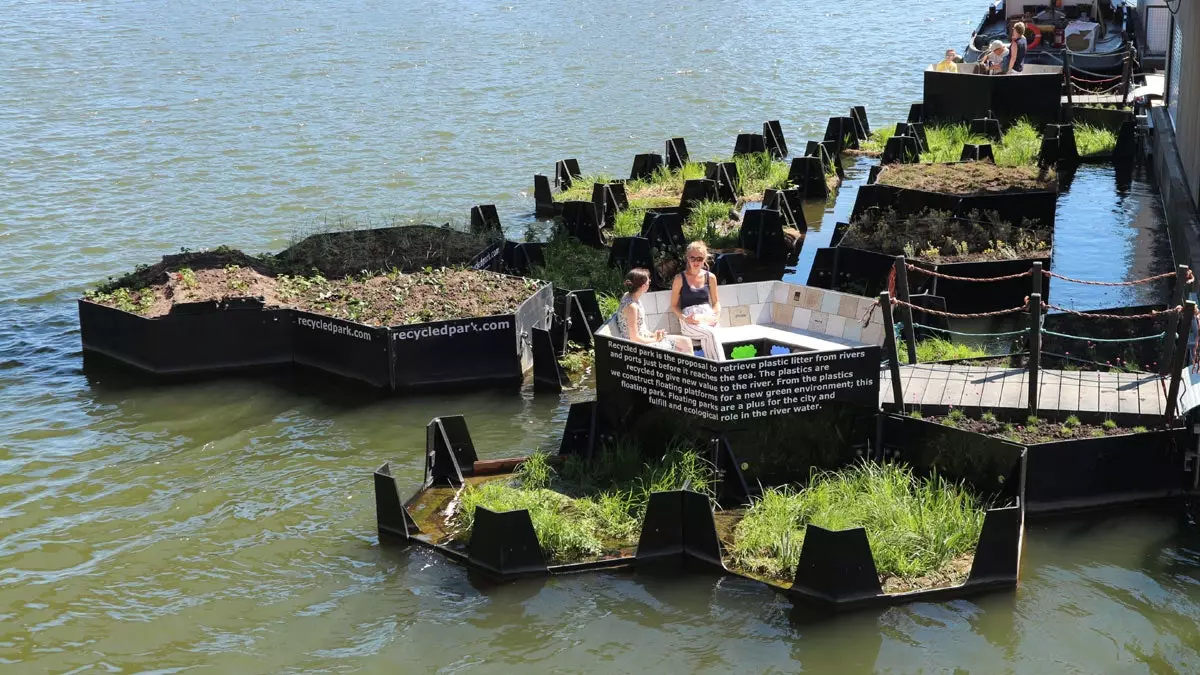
1037 39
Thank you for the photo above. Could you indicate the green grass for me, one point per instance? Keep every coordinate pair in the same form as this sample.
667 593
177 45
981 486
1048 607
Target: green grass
709 222
628 223
1019 146
915 525
590 508
938 349
759 172
878 139
1090 140
581 188
577 360
573 266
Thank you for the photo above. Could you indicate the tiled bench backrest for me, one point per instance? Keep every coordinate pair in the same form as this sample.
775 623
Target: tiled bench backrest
813 309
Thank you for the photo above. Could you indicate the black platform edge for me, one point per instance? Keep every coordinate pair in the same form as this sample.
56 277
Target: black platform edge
1039 205
209 338
391 516
1078 474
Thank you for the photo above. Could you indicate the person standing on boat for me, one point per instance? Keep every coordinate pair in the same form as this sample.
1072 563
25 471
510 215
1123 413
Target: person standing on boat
1016 50
694 300
994 58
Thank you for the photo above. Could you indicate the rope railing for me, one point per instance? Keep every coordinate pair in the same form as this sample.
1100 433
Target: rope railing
939 329
1065 336
1135 282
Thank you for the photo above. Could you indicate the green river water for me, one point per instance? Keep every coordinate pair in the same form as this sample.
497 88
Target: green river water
228 526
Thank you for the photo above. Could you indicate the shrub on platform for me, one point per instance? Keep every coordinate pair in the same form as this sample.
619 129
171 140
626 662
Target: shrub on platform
916 526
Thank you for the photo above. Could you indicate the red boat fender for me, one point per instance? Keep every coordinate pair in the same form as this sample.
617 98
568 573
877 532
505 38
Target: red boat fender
1037 38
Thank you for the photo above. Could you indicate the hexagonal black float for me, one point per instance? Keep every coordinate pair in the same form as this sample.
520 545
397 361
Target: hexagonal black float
977 152
644 165
677 153
565 173
725 175
773 137
808 175
749 143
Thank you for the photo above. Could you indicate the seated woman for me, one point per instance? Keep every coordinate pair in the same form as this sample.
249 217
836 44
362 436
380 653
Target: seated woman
631 318
694 300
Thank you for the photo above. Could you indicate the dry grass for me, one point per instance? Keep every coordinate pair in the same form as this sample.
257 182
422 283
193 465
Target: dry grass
968 178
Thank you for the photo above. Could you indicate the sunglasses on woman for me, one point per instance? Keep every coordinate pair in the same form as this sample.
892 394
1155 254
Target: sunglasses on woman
696 258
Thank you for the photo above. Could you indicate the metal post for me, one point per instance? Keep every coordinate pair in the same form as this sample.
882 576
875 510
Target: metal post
906 313
1067 77
1177 296
1126 76
1035 349
1037 276
1179 359
889 345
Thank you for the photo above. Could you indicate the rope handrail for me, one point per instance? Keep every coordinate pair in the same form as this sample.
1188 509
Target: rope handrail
952 315
1116 78
1153 314
951 277
1093 339
1135 282
955 332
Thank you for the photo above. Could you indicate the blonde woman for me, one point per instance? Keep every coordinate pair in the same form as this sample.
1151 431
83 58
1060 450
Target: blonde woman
631 318
694 300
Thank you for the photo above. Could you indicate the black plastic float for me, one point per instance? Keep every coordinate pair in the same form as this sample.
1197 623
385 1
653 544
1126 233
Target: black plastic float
583 221
859 114
676 152
808 175
543 197
725 175
902 150
790 204
986 126
749 143
484 218
836 571
697 190
977 152
242 334
565 173
645 165
1011 207
192 338
842 131
774 140
1070 475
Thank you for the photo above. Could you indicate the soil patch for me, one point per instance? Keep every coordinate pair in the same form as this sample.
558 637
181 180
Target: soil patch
408 249
968 178
953 573
393 299
399 299
1033 431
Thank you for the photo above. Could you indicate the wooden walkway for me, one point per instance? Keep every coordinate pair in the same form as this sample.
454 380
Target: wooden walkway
965 386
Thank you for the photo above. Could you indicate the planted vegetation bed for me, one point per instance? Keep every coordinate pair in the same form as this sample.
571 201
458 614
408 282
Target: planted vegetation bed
936 236
391 276
581 512
922 531
392 299
1019 145
967 178
1032 429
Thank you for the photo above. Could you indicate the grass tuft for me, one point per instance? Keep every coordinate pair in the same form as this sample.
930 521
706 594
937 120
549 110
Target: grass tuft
591 507
915 525
938 349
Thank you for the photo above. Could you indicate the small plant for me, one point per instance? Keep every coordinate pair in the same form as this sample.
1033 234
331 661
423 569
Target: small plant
1072 421
187 277
956 414
1066 431
1009 428
988 417
124 299
1109 424
1032 421
916 415
1139 429
1098 433
535 473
